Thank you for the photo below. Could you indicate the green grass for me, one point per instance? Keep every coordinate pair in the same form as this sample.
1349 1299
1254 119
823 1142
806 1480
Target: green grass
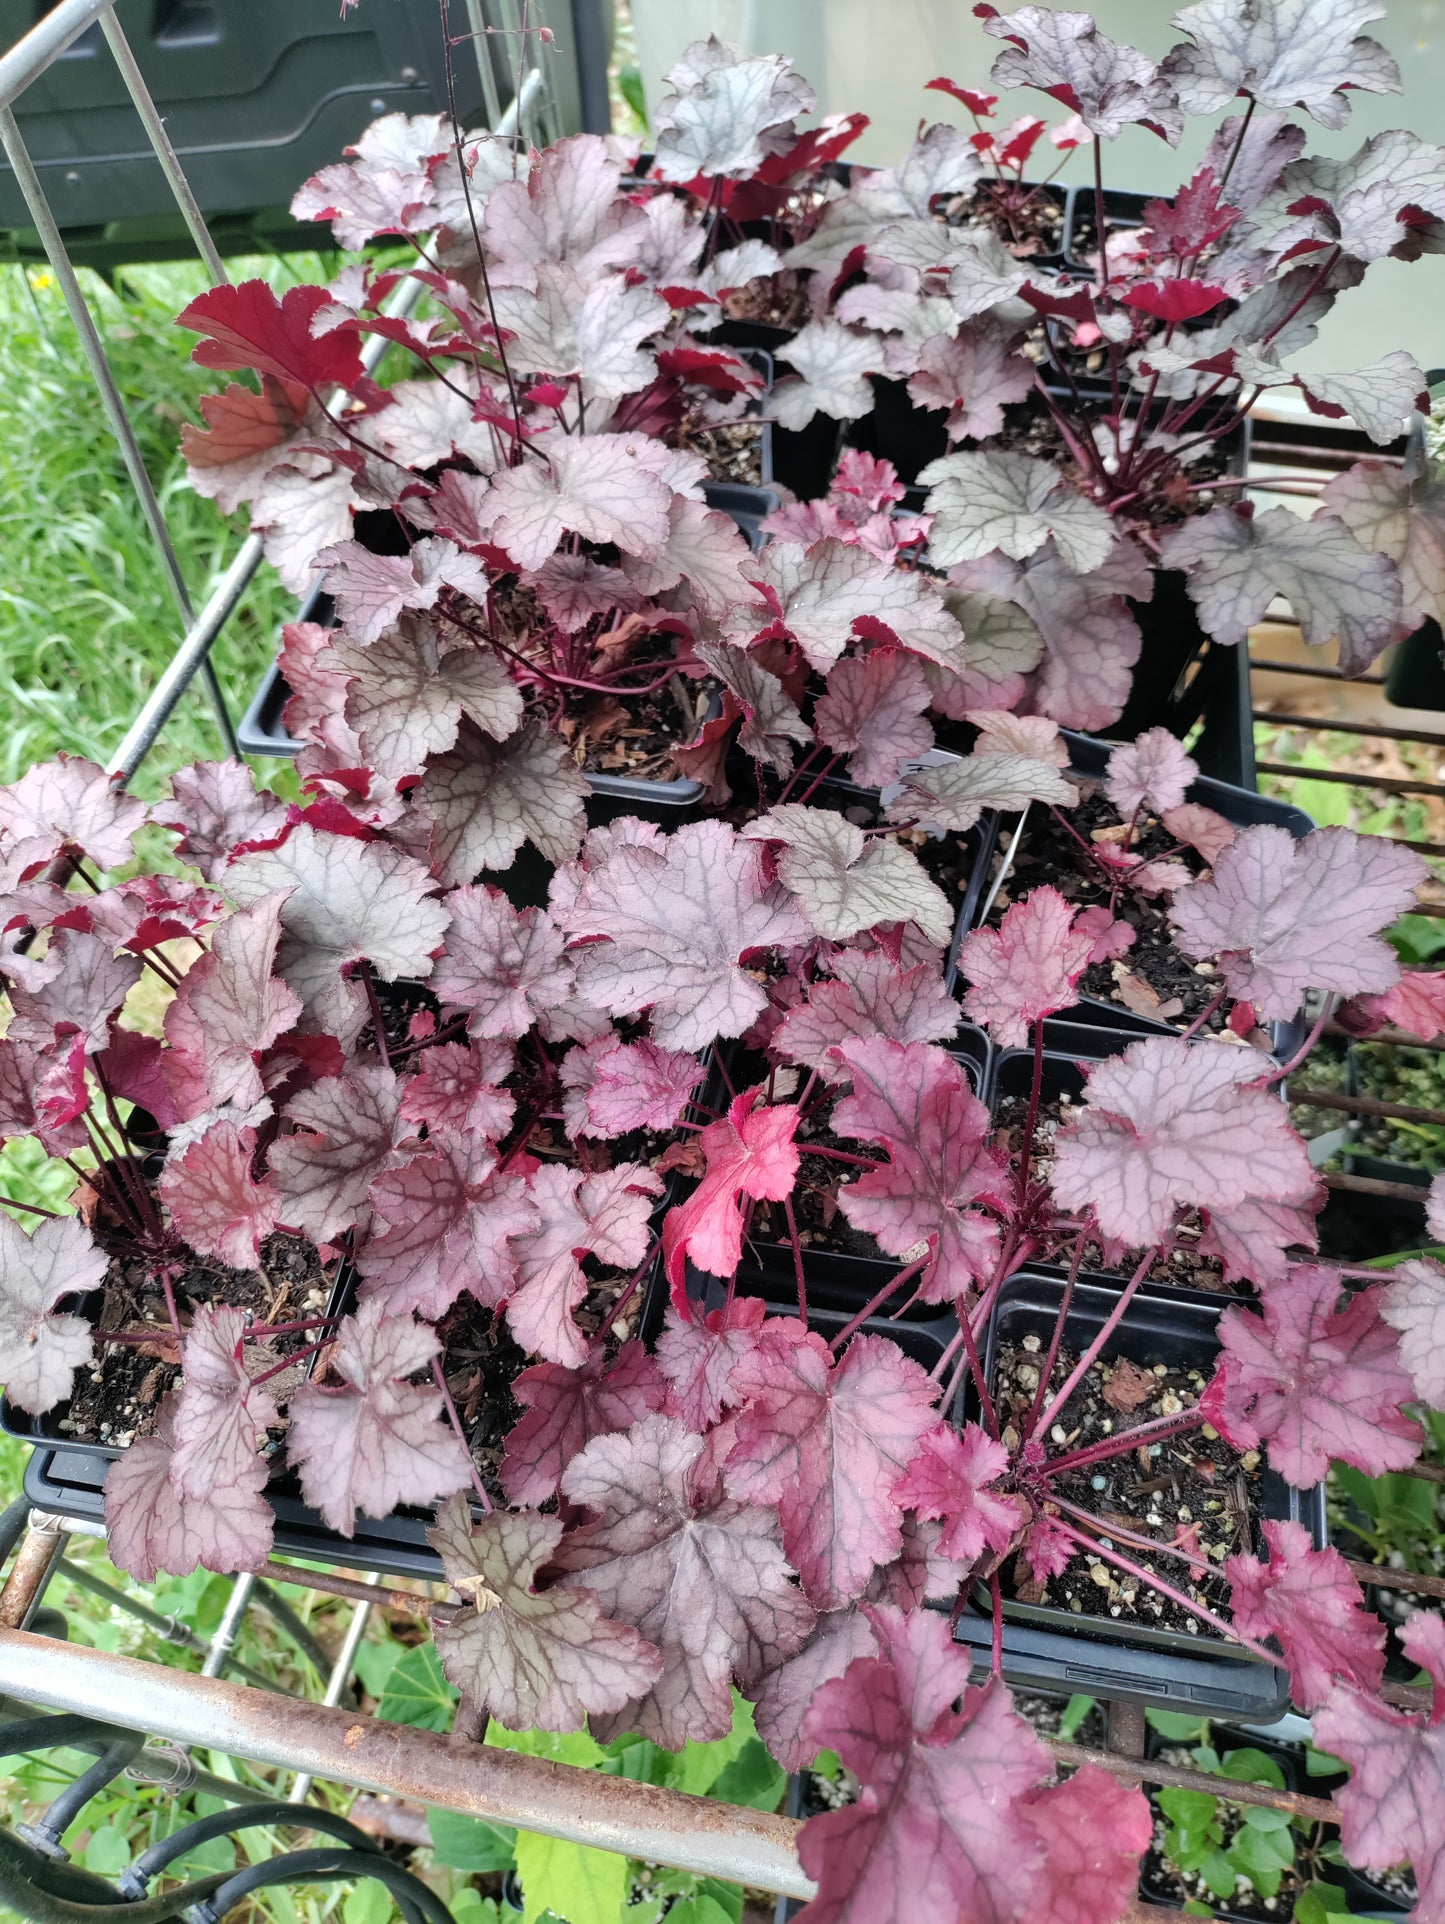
87 618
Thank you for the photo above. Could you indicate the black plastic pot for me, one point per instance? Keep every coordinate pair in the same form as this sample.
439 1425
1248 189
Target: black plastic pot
1166 694
835 1280
1286 1756
1047 1648
803 458
1089 756
262 731
1068 1046
1122 209
1416 675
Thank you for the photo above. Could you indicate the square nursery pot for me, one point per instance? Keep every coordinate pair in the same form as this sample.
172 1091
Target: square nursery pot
1049 1648
1154 1888
837 1281
262 728
1123 212
1089 757
803 459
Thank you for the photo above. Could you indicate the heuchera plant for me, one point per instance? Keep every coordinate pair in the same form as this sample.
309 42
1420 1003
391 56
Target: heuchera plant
538 1164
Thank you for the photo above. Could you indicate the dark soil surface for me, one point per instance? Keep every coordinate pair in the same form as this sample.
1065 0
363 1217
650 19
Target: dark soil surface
819 1793
733 450
1028 224
634 735
1193 1483
821 1222
777 300
1151 978
116 1399
480 1362
950 860
1011 1118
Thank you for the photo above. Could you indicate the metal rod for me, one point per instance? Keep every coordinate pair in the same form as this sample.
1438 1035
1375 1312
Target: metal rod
1317 1810
166 154
94 350
170 1628
40 1548
1314 674
1410 1580
229 1628
1337 726
1363 1105
557 1800
1388 784
336 1682
46 41
1374 1186
331 1585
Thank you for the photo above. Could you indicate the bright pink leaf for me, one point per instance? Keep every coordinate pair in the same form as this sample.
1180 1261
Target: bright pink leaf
1286 916
784 1697
1153 772
215 1201
936 1835
1308 1599
1251 1239
701 1576
1313 1381
1171 1124
1416 1004
916 1102
1026 969
379 1440
566 1408
875 713
949 1478
635 1085
1393 1808
1201 828
531 1659
1174 300
830 1445
457 1092
750 1152
1094 1831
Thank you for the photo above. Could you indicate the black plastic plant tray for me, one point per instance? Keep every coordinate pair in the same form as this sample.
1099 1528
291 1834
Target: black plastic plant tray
1052 1649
